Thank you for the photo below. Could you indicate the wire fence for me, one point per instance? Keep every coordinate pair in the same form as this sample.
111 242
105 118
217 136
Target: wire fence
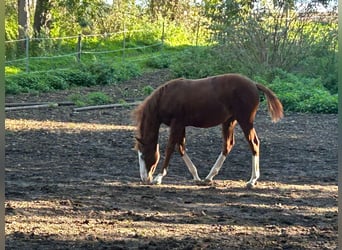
38 55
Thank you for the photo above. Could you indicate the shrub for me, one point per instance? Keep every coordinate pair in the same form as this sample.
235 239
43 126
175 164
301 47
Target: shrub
78 99
147 90
98 98
320 103
26 83
302 94
76 77
159 62
94 98
103 73
55 82
126 71
12 86
198 62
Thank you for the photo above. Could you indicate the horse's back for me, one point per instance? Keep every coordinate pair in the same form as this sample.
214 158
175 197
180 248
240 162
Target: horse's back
226 83
207 102
238 90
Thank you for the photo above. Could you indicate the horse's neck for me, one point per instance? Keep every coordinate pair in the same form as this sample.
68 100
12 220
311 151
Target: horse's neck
150 129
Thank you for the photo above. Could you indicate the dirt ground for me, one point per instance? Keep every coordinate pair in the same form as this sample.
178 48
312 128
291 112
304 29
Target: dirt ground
72 182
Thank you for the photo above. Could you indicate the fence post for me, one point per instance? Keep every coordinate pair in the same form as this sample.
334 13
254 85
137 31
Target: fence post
27 54
124 38
79 48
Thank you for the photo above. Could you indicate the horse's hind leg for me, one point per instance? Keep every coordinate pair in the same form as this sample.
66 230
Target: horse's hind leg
228 143
192 168
254 144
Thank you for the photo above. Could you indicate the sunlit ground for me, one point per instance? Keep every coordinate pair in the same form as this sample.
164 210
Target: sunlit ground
70 220
273 213
25 125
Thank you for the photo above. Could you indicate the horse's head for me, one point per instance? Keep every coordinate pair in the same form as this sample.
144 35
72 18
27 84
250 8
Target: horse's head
148 154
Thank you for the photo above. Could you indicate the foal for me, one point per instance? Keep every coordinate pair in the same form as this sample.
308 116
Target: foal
224 99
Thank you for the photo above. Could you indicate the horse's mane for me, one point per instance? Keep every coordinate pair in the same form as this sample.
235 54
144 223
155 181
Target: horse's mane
142 110
148 106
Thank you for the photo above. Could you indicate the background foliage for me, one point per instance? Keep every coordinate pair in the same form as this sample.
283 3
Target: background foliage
288 45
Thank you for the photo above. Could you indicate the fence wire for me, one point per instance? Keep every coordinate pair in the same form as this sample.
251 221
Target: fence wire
23 53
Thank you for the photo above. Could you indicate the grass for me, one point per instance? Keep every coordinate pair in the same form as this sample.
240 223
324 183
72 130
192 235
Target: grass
298 92
94 98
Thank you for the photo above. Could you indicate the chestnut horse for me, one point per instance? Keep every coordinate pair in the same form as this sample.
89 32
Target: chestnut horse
224 99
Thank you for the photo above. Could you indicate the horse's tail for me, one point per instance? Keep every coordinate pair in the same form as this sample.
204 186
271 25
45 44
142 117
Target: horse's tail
275 107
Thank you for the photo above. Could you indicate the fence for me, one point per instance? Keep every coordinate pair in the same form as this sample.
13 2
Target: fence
37 55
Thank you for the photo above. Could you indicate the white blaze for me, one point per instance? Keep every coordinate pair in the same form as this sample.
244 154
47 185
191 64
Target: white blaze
142 167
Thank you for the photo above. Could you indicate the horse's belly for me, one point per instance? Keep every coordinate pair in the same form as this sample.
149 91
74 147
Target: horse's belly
199 112
204 123
206 119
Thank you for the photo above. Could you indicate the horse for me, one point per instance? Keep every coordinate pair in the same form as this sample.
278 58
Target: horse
225 99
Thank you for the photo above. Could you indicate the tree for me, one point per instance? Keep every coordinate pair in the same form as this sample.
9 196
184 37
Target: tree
23 22
170 9
267 35
42 16
23 18
75 16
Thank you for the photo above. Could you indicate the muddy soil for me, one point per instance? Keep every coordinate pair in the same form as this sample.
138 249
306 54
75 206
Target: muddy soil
72 182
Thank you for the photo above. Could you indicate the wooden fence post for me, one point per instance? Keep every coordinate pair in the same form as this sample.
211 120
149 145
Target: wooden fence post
124 38
79 48
27 45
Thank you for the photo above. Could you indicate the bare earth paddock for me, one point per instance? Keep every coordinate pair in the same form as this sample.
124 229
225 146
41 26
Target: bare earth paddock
72 182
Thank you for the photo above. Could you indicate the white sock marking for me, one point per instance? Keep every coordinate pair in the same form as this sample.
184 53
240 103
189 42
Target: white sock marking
216 168
191 167
158 179
255 171
142 167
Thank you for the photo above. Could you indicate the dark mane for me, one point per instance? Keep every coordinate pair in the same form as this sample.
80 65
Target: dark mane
148 106
144 109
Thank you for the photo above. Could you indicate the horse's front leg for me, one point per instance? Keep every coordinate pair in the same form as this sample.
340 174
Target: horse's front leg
169 150
176 132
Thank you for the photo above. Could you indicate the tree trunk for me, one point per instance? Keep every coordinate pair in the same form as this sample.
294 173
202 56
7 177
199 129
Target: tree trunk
42 16
23 23
23 18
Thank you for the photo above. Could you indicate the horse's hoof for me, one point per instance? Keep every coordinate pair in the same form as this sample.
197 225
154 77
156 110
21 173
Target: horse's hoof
208 182
156 182
146 182
205 182
198 182
250 185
